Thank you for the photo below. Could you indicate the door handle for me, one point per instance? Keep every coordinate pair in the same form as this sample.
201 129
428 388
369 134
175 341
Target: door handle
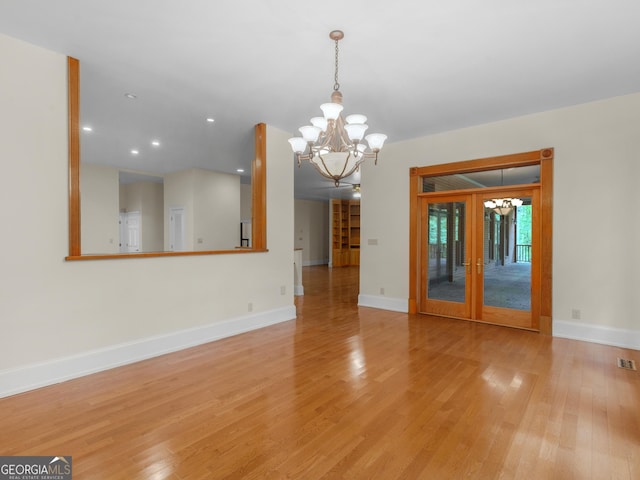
479 265
467 265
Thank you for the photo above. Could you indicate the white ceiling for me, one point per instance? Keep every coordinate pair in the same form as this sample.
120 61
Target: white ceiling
414 67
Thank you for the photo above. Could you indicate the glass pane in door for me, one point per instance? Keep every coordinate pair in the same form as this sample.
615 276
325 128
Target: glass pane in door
507 255
446 278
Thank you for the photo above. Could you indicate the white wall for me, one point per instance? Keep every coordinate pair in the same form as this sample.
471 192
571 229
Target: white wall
595 225
311 227
100 230
61 319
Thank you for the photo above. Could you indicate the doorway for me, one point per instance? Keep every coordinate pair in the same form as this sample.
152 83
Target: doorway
130 232
477 262
177 229
474 261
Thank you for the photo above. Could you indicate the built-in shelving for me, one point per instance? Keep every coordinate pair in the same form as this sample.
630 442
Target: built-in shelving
345 232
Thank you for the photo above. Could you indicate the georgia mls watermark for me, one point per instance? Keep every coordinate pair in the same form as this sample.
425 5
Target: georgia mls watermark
35 468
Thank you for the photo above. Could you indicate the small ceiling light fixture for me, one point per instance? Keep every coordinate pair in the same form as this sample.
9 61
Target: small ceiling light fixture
155 143
87 128
210 119
131 96
332 145
240 170
134 152
503 206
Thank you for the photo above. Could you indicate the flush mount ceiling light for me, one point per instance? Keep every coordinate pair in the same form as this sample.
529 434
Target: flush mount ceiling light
332 144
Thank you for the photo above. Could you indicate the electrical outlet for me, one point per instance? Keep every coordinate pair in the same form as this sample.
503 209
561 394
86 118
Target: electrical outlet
283 290
575 314
250 307
381 290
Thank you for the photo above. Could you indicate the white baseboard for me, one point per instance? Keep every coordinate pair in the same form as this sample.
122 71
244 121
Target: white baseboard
384 303
616 337
22 379
298 290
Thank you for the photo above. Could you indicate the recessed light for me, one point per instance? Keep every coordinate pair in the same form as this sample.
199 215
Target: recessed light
240 170
87 128
210 119
155 143
131 96
134 152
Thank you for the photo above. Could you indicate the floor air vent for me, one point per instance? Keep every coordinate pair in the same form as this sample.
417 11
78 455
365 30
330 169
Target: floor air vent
626 364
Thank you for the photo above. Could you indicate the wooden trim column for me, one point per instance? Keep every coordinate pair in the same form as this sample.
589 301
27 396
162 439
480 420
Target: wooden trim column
546 240
73 94
259 190
414 222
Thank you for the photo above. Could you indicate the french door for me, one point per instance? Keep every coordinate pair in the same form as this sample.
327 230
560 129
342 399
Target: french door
481 263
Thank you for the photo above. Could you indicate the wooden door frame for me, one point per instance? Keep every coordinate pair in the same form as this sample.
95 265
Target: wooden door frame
544 158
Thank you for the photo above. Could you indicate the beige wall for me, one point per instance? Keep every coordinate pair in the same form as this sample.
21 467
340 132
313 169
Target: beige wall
63 318
595 225
245 202
99 225
216 210
212 206
311 226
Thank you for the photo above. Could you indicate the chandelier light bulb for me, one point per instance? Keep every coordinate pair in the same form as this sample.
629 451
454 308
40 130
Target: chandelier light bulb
331 111
298 145
310 133
356 131
320 122
356 118
376 141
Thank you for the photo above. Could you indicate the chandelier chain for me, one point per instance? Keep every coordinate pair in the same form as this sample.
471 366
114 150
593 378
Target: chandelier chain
336 85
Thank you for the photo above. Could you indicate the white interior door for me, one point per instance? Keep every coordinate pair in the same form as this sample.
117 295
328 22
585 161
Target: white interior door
177 229
130 232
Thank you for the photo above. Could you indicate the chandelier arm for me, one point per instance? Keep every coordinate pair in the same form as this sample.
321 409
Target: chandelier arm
304 156
342 135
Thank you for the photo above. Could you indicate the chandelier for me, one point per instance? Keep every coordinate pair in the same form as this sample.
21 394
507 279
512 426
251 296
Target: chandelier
503 206
333 144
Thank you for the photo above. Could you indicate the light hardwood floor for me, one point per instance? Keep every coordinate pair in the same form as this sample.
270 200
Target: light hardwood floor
346 392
